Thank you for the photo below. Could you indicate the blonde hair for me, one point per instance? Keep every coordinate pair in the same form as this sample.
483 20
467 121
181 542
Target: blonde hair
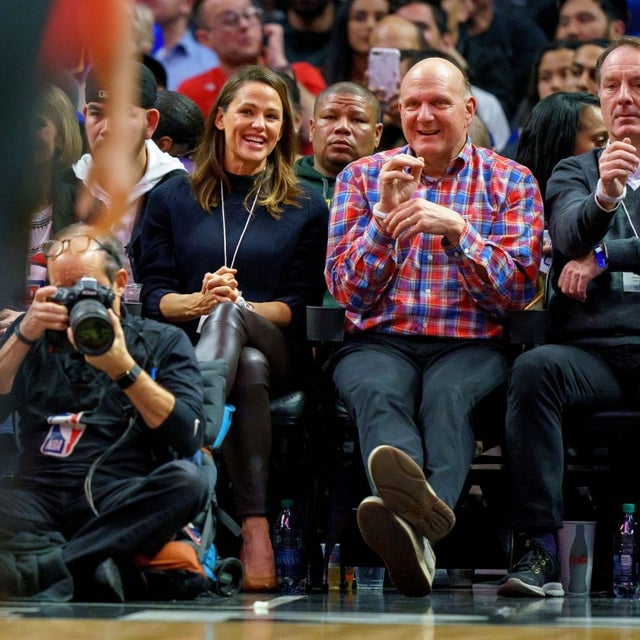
55 105
279 184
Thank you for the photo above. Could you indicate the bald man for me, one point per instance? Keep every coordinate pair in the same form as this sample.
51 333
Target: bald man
430 245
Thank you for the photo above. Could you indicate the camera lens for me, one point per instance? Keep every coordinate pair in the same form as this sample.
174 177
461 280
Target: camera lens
92 328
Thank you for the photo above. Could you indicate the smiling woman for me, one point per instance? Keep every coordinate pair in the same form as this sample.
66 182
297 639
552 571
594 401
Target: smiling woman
240 250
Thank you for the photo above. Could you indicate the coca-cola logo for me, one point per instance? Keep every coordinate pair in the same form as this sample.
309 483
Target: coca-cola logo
577 559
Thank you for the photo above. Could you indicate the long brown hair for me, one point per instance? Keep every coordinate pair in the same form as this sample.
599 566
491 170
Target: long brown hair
279 184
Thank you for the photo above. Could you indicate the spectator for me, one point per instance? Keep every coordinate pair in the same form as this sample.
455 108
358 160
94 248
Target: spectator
307 29
588 19
152 166
241 245
92 427
180 126
593 319
348 55
345 126
429 246
432 21
56 144
559 126
233 29
585 58
552 73
516 39
180 54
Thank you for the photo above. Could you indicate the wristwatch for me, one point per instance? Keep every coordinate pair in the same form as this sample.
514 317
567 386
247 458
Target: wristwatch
600 254
128 377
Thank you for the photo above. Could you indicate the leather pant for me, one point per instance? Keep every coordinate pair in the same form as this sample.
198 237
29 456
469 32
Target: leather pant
258 356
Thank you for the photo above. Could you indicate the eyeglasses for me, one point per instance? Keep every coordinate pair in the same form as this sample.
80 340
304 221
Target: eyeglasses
231 19
77 244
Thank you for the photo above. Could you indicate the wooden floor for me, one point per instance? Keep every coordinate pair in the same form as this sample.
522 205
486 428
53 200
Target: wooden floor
470 614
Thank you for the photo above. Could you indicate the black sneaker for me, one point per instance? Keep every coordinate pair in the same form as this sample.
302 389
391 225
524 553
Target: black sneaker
536 574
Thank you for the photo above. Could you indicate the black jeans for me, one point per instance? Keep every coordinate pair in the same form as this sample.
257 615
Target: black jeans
420 395
544 382
136 515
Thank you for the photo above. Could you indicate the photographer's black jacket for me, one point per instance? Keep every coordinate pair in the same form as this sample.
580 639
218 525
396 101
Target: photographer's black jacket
52 384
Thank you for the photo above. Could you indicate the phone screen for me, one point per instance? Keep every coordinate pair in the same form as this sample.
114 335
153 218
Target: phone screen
384 71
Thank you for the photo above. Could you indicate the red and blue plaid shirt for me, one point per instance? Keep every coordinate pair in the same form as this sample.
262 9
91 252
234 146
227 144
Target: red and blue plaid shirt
433 289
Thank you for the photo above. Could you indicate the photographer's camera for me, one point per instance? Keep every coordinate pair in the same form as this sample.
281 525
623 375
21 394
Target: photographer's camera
88 303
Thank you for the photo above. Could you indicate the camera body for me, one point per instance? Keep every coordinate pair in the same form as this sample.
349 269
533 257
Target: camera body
87 302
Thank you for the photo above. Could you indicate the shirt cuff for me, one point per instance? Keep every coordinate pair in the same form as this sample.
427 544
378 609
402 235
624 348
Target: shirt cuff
602 197
382 215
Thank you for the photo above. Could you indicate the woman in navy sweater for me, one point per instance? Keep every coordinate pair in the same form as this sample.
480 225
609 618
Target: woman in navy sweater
238 250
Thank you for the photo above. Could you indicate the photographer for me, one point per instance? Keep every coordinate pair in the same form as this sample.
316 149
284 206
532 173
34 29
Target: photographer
99 435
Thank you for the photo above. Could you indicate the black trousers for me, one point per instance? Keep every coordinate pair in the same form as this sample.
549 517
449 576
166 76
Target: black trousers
135 515
420 395
544 382
259 357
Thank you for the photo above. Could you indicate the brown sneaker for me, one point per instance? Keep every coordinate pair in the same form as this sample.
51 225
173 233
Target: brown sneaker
401 484
409 559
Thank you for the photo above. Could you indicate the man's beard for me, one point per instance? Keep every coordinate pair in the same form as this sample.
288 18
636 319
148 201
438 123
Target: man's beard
309 9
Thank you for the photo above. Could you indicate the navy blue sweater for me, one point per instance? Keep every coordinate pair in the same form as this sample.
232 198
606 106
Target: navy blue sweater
277 259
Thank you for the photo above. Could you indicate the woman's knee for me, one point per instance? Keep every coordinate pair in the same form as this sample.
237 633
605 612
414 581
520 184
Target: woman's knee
253 368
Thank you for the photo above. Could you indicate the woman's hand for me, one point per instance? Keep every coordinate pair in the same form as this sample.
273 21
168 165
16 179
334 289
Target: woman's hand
221 284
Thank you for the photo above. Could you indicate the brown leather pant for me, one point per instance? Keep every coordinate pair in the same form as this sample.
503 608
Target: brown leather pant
258 356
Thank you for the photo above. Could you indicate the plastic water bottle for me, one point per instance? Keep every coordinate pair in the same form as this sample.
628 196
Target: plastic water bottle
287 546
624 555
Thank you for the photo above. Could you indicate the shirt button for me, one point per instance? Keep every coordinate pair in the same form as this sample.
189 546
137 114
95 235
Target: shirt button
430 258
456 254
427 291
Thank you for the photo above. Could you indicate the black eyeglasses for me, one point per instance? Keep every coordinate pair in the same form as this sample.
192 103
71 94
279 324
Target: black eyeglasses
77 244
231 19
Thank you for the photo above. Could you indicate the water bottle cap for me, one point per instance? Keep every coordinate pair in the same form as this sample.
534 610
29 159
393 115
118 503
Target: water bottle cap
629 507
287 503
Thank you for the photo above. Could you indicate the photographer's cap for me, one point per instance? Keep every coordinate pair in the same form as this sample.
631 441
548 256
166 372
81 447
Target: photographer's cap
147 88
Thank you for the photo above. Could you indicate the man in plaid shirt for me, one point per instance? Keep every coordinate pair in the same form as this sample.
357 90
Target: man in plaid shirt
429 246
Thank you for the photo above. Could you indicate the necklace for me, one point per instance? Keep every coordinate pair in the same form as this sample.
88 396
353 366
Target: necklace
224 227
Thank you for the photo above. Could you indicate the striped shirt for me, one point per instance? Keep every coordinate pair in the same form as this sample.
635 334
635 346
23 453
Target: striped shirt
432 289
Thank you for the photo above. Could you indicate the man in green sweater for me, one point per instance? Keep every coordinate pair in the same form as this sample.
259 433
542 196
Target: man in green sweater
346 125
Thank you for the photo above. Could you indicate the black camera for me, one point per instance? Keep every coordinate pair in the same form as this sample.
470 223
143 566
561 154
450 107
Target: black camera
89 320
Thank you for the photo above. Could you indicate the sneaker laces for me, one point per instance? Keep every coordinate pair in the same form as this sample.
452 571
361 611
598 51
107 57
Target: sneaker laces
531 560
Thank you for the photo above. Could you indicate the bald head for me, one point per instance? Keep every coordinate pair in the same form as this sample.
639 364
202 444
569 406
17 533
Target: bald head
443 69
436 109
397 33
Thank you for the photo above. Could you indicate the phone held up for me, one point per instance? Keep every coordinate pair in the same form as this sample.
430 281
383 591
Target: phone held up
384 71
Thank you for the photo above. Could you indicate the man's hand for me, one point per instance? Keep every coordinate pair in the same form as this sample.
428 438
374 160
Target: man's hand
273 50
399 178
117 360
617 162
43 314
7 316
421 216
577 274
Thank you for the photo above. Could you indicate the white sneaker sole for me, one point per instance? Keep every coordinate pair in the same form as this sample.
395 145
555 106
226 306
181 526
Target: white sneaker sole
400 482
410 565
517 588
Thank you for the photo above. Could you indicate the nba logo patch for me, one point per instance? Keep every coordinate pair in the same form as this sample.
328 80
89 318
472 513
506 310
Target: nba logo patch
64 434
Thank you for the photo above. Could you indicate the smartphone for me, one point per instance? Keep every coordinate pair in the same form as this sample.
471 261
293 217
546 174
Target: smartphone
384 71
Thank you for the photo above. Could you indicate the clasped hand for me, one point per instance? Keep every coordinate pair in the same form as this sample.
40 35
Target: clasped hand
220 286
